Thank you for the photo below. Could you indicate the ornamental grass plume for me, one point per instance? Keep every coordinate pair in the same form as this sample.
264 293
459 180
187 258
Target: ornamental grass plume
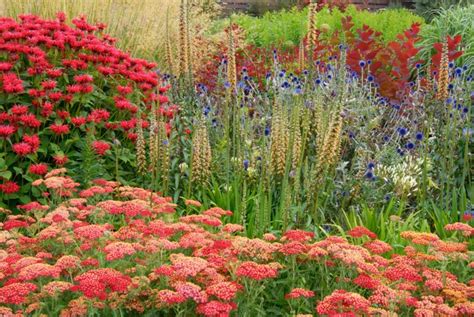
201 155
443 77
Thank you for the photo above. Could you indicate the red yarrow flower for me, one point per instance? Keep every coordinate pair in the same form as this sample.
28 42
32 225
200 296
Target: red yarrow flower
359 231
298 235
16 293
95 283
299 292
256 271
341 301
224 290
215 309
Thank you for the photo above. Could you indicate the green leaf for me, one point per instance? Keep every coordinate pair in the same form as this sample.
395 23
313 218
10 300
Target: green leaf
6 174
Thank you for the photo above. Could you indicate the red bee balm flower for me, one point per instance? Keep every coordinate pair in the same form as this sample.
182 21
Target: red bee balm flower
60 159
100 147
6 131
59 129
22 148
9 187
38 169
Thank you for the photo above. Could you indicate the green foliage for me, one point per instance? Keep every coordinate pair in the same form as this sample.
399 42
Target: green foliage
289 27
428 9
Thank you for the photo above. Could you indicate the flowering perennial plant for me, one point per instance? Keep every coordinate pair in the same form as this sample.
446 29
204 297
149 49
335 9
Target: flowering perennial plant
67 96
81 255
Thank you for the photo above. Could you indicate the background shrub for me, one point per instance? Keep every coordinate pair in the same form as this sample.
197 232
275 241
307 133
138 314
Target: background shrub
289 27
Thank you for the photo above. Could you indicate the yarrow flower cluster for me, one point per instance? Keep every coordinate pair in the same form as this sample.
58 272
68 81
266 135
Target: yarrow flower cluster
99 248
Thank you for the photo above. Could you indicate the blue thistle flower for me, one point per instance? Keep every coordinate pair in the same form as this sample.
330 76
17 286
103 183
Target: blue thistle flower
370 175
267 131
402 131
419 136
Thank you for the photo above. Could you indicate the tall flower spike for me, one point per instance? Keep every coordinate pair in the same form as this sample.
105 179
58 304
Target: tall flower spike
296 137
301 56
169 48
189 44
183 40
279 140
312 28
332 142
153 142
232 64
141 149
443 77
201 156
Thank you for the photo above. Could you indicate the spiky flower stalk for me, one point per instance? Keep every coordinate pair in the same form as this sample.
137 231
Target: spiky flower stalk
429 77
164 154
312 28
183 39
301 56
332 141
201 155
169 48
141 149
153 142
279 140
295 138
189 43
231 61
443 79
329 144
